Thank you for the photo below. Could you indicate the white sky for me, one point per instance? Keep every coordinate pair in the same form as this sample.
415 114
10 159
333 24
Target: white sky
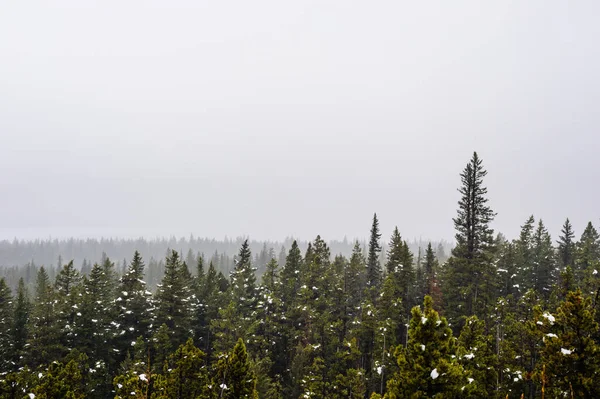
277 118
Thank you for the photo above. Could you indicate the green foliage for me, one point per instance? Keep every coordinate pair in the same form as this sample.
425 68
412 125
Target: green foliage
373 264
45 338
174 299
470 271
185 376
6 326
234 378
571 354
428 367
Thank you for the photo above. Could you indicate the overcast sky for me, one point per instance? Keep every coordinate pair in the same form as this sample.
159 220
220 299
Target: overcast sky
278 118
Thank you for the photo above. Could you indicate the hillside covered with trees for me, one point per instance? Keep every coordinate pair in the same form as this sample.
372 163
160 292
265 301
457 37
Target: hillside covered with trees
492 319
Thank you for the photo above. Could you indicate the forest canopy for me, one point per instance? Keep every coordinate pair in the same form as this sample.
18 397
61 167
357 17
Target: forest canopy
385 318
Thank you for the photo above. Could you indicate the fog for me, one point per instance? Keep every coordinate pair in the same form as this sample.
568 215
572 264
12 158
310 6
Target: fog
274 119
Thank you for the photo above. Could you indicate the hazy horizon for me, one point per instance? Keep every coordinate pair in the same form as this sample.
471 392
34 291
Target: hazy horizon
270 119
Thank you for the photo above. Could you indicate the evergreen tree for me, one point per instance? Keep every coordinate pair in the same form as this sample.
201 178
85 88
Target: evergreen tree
354 282
239 319
44 343
400 266
543 268
20 330
60 381
566 246
135 307
432 284
524 257
173 299
476 354
373 265
186 375
68 287
6 326
507 270
587 252
571 354
427 365
97 327
234 378
290 275
471 272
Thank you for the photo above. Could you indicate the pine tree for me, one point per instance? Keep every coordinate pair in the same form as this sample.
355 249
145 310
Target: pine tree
587 252
470 270
354 282
239 318
234 377
571 354
97 326
6 326
44 344
373 265
68 287
476 354
427 365
566 246
432 285
186 375
507 270
60 381
135 307
20 330
162 345
524 257
400 266
543 267
173 299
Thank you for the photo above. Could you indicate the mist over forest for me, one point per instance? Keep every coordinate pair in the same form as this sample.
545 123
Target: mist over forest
21 258
342 150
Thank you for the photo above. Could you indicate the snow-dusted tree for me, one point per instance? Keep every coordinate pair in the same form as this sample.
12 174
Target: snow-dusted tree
571 355
68 287
174 302
427 365
135 307
44 342
6 326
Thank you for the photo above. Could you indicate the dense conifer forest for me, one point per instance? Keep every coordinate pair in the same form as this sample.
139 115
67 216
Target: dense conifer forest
487 318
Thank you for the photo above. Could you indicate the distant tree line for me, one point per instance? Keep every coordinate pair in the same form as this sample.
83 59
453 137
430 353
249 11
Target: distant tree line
22 258
497 319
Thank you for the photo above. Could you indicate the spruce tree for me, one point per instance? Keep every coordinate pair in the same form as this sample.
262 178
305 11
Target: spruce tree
234 377
290 275
566 246
476 354
135 307
239 318
68 287
373 264
543 273
471 272
20 329
400 266
571 355
6 327
587 252
44 342
431 284
173 298
186 375
97 326
524 257
354 281
427 366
